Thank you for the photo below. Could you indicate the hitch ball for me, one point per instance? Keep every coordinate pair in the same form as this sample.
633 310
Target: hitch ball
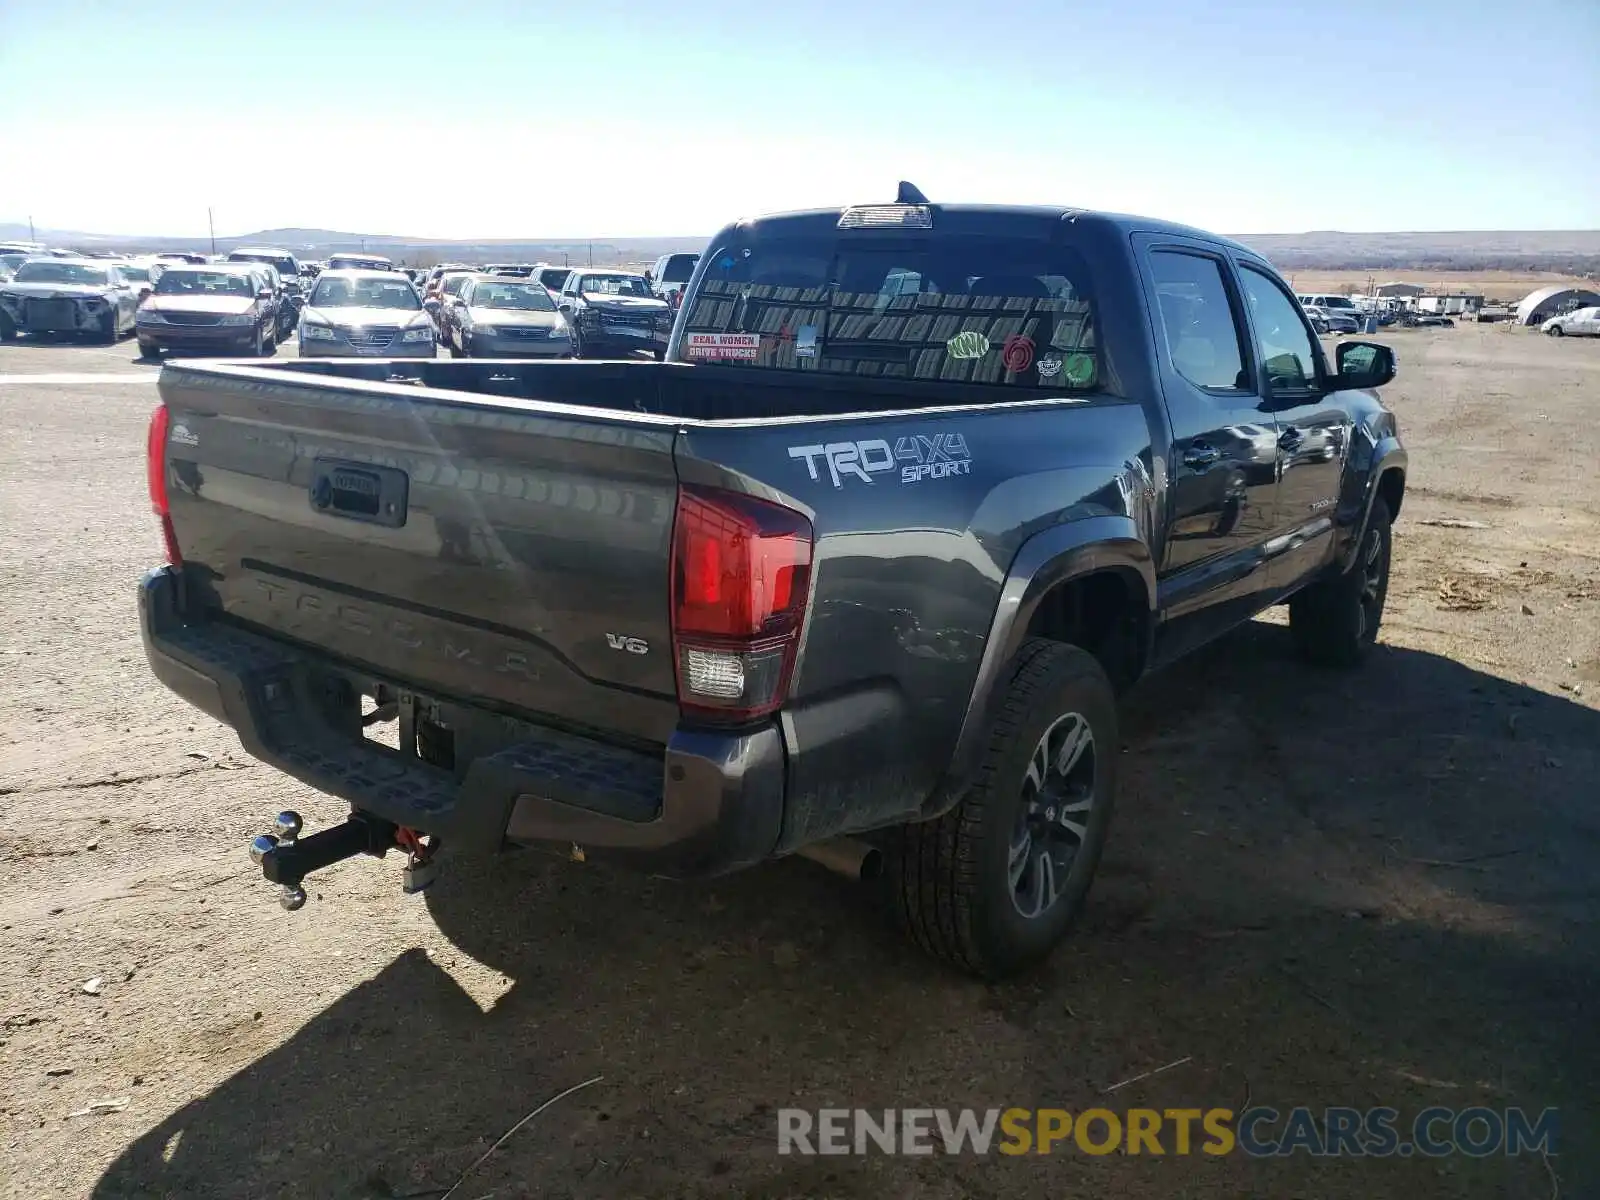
287 825
261 847
292 898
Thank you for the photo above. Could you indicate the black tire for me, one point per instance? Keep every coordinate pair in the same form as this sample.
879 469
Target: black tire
1335 621
1555 331
954 882
269 342
579 350
258 343
109 333
149 352
8 331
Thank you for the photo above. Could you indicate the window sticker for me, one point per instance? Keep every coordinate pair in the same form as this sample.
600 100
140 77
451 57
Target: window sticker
1049 368
805 342
741 347
1079 369
970 344
1017 353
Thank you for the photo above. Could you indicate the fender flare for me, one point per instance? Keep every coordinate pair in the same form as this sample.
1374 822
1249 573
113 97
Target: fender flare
1388 455
1047 559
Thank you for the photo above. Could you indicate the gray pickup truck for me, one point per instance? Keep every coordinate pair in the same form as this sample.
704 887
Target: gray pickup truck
857 573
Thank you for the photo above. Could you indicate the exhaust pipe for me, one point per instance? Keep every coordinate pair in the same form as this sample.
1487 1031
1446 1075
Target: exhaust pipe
855 860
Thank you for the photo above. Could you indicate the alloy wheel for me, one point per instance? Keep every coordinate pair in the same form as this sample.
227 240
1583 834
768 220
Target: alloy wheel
1058 796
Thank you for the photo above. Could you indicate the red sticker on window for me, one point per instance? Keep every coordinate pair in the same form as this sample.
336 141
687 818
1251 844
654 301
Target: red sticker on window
1017 353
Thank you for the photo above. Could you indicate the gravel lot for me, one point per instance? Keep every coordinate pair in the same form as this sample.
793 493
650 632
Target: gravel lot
1321 889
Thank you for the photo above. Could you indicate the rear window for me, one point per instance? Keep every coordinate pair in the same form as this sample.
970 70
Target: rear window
678 268
285 266
973 309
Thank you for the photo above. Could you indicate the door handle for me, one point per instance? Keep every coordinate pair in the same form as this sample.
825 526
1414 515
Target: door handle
1200 455
1291 437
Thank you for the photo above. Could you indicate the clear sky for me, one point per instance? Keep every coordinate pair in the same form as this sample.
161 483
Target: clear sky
474 118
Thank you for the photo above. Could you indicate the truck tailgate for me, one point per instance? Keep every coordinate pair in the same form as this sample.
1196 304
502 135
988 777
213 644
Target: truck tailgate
474 547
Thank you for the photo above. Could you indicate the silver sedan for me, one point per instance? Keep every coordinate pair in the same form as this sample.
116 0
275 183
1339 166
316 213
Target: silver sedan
506 318
367 314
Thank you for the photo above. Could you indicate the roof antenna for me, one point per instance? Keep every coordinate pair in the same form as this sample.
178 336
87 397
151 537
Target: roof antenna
909 193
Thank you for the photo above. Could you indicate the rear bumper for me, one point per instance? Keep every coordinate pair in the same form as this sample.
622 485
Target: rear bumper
710 803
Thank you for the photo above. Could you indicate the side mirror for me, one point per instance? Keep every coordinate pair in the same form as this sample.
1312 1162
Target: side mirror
1363 365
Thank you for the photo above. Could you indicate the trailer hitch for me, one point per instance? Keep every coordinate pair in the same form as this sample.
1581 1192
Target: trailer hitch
285 858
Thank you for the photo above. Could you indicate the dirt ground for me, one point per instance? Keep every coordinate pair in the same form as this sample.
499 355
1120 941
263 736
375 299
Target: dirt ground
1378 888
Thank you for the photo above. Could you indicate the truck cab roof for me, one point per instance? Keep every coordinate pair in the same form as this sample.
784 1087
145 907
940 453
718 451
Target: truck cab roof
1037 220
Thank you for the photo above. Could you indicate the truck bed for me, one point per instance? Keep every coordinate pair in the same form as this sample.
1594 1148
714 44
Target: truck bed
679 390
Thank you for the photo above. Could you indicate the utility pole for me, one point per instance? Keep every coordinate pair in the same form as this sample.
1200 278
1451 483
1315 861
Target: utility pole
591 254
31 238
212 222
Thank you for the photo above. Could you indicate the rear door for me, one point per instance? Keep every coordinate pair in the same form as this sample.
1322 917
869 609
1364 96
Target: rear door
1313 427
464 547
1223 459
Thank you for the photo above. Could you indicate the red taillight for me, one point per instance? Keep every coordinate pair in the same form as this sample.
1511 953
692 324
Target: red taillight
156 473
741 570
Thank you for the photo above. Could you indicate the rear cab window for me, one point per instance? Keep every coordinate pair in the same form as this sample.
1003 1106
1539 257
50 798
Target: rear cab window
900 304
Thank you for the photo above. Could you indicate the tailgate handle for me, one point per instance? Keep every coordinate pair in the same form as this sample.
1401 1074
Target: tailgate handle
360 491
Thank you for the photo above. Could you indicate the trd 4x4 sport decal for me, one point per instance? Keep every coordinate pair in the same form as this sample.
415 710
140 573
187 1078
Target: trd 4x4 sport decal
917 457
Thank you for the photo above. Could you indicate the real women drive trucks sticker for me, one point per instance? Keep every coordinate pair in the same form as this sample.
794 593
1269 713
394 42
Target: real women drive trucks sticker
738 347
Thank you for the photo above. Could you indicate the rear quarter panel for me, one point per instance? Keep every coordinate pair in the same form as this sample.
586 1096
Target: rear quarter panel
910 557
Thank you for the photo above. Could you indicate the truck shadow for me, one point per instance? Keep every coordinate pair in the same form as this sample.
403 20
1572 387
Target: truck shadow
1334 890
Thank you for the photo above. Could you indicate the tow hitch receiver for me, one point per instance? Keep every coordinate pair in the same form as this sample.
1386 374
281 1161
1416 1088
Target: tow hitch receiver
285 858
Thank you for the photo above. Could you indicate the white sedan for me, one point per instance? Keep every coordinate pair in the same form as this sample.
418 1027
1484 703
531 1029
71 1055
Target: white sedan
1583 322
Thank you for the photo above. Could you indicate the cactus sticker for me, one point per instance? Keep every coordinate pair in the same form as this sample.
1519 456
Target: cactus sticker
1079 369
970 344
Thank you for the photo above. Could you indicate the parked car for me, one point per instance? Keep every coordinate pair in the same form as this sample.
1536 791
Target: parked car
554 278
359 262
183 256
670 276
1332 320
10 260
372 313
213 309
286 279
613 312
66 295
1333 304
436 301
1414 318
505 317
512 270
1584 322
137 273
846 577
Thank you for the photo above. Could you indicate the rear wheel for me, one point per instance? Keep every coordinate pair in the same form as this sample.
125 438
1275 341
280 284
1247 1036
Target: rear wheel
1335 622
993 885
